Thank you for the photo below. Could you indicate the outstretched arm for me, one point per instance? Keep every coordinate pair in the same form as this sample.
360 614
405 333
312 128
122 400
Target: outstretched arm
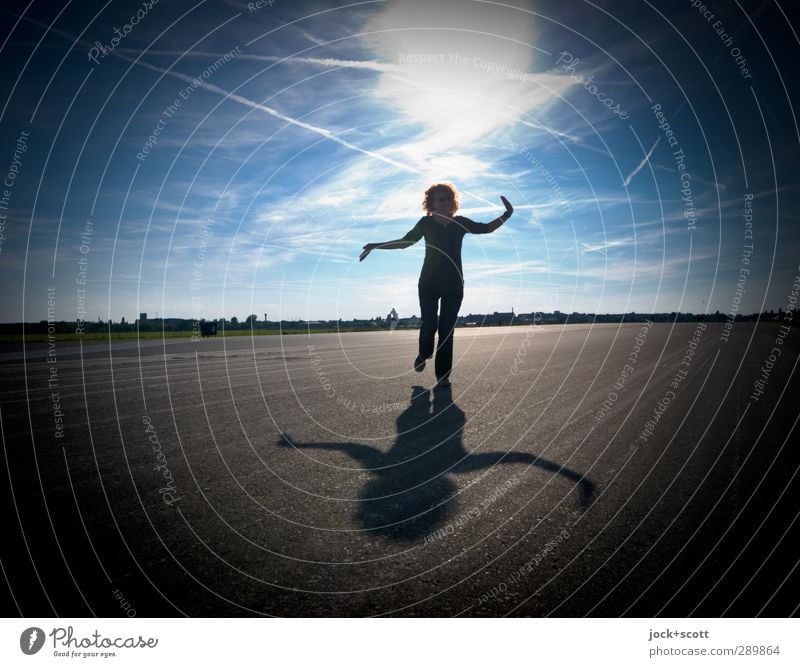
408 240
497 222
486 227
399 244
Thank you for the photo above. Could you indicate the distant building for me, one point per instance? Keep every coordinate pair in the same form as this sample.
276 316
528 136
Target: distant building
499 319
410 322
143 317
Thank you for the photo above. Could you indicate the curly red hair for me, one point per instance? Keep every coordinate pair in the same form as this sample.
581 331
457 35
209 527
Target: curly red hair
427 202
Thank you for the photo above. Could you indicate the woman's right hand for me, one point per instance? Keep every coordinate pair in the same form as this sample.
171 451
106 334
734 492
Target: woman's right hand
509 207
367 250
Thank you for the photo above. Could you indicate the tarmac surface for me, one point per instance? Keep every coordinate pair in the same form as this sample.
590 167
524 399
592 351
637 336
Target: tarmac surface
598 470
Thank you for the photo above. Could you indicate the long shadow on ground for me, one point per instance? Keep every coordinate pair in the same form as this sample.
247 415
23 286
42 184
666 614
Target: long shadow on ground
407 498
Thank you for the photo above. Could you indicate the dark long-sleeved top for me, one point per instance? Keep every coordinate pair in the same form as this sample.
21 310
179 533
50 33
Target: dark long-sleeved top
442 265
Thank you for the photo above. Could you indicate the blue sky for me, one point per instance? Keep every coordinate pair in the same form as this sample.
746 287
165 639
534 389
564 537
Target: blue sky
327 122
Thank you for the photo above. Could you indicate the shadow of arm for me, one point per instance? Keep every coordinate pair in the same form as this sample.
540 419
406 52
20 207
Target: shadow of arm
475 462
361 453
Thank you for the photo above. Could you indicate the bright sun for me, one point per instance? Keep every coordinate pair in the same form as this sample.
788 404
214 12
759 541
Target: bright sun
464 72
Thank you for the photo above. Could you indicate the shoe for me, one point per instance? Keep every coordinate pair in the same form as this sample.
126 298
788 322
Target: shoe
419 364
443 382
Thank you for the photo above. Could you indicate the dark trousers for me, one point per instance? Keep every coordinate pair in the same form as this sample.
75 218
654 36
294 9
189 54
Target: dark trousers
444 323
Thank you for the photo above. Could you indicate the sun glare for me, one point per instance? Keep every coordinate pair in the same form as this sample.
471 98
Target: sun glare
459 80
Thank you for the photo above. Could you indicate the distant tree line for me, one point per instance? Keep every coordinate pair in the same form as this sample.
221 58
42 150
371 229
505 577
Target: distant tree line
176 324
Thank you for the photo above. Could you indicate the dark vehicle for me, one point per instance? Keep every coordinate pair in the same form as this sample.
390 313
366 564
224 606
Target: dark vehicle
208 328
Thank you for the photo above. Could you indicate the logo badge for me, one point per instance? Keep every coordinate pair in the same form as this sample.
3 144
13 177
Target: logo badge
31 640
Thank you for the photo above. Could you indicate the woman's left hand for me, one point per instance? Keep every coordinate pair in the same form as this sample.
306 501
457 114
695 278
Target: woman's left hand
367 249
509 207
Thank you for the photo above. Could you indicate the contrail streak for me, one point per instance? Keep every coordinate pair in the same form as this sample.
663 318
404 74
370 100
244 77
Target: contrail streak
237 98
641 164
322 62
578 141
272 112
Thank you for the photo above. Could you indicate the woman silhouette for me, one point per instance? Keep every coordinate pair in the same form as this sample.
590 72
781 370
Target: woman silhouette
441 276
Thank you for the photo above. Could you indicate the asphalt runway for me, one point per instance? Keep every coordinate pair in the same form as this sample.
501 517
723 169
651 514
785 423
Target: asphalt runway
598 470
